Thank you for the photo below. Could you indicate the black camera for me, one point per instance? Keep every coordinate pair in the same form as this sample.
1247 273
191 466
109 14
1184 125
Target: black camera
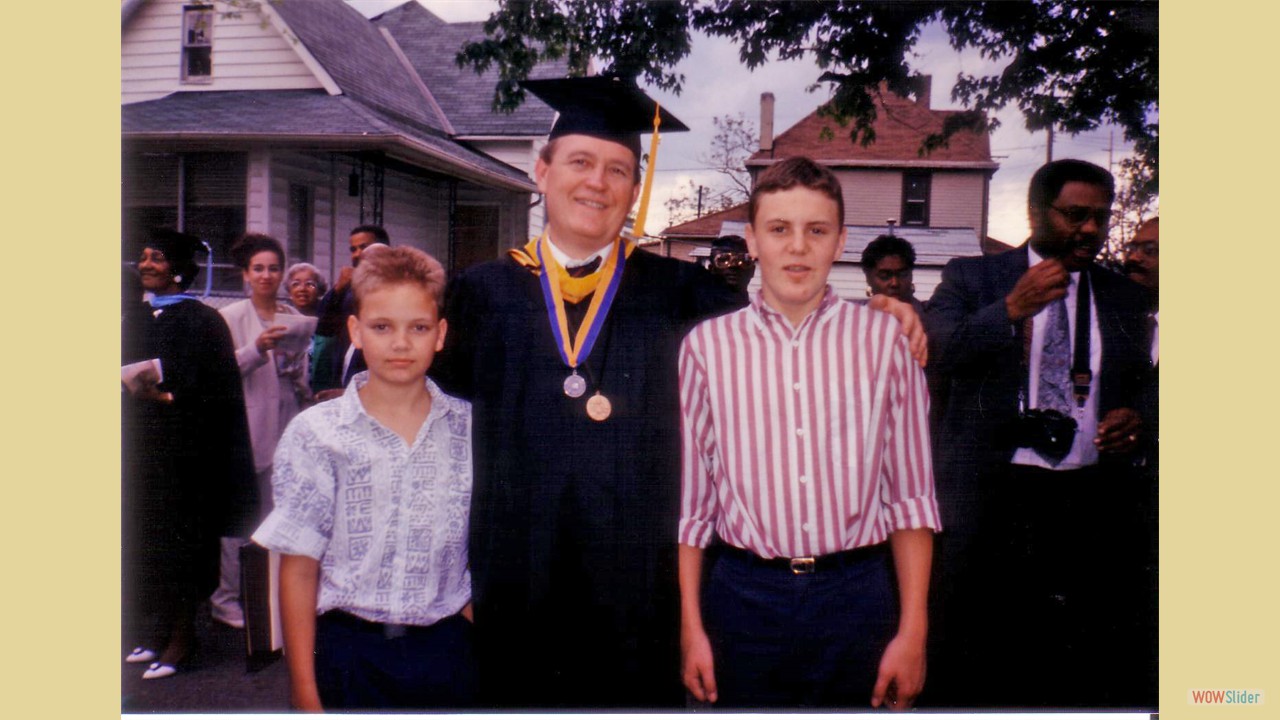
1048 432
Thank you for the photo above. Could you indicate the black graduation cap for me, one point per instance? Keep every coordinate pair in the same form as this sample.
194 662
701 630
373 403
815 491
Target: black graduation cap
604 107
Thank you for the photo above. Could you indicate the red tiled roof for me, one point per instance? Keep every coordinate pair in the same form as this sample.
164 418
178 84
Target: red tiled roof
901 124
707 226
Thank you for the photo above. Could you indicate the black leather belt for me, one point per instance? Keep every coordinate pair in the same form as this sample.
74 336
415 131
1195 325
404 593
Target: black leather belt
386 630
806 565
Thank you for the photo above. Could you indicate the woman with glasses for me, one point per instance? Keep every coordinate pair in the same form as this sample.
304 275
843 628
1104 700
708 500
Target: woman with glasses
275 386
305 287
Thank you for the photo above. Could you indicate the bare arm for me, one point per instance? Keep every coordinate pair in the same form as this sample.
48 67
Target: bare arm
696 666
902 668
299 584
912 325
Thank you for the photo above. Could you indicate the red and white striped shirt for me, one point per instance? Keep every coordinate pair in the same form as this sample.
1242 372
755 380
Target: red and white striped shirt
803 441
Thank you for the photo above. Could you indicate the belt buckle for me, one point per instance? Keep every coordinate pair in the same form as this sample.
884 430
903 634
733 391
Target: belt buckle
803 565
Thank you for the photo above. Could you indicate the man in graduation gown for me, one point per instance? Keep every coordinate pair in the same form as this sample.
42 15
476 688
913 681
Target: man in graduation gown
567 349
573 525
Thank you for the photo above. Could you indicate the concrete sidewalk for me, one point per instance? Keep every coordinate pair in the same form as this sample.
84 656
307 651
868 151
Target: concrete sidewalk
217 678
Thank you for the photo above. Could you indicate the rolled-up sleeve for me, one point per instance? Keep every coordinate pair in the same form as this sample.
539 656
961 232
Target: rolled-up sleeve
303 489
906 481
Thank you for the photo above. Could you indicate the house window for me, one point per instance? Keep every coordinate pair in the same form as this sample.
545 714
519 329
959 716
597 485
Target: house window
915 199
198 193
197 43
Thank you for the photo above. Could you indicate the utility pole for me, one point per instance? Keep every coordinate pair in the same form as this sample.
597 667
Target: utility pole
700 189
1048 153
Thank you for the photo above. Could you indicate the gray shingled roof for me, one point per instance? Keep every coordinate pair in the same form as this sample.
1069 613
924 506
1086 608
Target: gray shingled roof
301 116
357 57
431 44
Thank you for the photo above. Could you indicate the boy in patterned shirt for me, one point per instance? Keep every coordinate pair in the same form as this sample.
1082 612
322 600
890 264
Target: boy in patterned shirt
372 492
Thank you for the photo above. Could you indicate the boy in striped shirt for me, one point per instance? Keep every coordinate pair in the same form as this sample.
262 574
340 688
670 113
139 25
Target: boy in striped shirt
806 455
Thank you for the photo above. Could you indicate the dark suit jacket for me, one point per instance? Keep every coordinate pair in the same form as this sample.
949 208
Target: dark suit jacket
973 343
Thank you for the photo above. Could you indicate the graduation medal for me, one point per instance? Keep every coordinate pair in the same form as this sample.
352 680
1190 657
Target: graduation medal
599 408
574 350
574 385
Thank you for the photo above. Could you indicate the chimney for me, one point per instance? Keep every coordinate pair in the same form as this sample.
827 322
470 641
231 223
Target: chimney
924 88
766 122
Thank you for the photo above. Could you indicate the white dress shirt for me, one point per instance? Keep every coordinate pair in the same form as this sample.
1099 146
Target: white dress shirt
1083 452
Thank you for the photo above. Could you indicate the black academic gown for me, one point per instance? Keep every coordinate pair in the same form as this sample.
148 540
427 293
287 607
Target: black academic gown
573 525
188 467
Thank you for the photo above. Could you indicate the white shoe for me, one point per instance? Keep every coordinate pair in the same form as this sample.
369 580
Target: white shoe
140 655
159 670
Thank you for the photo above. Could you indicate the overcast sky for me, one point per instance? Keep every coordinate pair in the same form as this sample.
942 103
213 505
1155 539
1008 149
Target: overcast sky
716 84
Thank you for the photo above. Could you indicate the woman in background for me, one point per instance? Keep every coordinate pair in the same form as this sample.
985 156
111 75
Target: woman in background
306 287
188 469
275 388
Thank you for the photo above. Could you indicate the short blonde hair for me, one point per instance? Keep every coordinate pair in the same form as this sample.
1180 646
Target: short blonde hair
395 266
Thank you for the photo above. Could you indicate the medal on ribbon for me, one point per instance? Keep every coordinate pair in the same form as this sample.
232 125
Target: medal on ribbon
574 350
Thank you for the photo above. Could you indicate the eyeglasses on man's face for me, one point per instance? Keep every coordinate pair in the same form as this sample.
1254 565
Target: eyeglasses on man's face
295 284
727 260
1078 215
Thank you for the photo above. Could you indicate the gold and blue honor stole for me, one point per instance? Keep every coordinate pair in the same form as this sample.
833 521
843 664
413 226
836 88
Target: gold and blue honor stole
527 256
575 350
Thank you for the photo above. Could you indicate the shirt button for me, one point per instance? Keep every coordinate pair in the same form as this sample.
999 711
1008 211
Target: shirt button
804 478
800 431
795 386
807 527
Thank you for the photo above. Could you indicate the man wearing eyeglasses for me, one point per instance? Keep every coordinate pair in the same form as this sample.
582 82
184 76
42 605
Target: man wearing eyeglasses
730 261
338 359
1040 589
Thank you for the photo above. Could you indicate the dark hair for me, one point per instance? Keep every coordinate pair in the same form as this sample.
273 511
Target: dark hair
251 244
399 265
730 243
1047 183
885 246
792 172
548 151
377 231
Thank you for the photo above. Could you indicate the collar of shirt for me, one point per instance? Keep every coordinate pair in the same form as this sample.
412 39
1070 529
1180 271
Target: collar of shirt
769 314
567 262
350 408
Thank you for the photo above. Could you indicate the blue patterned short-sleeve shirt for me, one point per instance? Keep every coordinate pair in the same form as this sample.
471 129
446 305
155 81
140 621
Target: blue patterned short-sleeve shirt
387 521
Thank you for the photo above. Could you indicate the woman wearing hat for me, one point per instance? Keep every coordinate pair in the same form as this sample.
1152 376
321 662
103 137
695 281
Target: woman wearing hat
274 381
190 472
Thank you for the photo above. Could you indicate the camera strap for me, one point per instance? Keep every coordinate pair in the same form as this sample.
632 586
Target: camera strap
1081 374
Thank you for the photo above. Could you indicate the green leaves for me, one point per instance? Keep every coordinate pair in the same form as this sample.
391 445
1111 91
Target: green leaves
1072 64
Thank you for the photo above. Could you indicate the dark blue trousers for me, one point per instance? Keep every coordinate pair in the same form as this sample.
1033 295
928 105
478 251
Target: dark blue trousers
369 666
782 640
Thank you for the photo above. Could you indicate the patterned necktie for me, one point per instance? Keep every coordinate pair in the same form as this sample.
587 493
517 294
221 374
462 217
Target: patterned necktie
1054 392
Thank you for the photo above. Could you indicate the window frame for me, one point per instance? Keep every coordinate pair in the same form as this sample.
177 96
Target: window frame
193 49
918 205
